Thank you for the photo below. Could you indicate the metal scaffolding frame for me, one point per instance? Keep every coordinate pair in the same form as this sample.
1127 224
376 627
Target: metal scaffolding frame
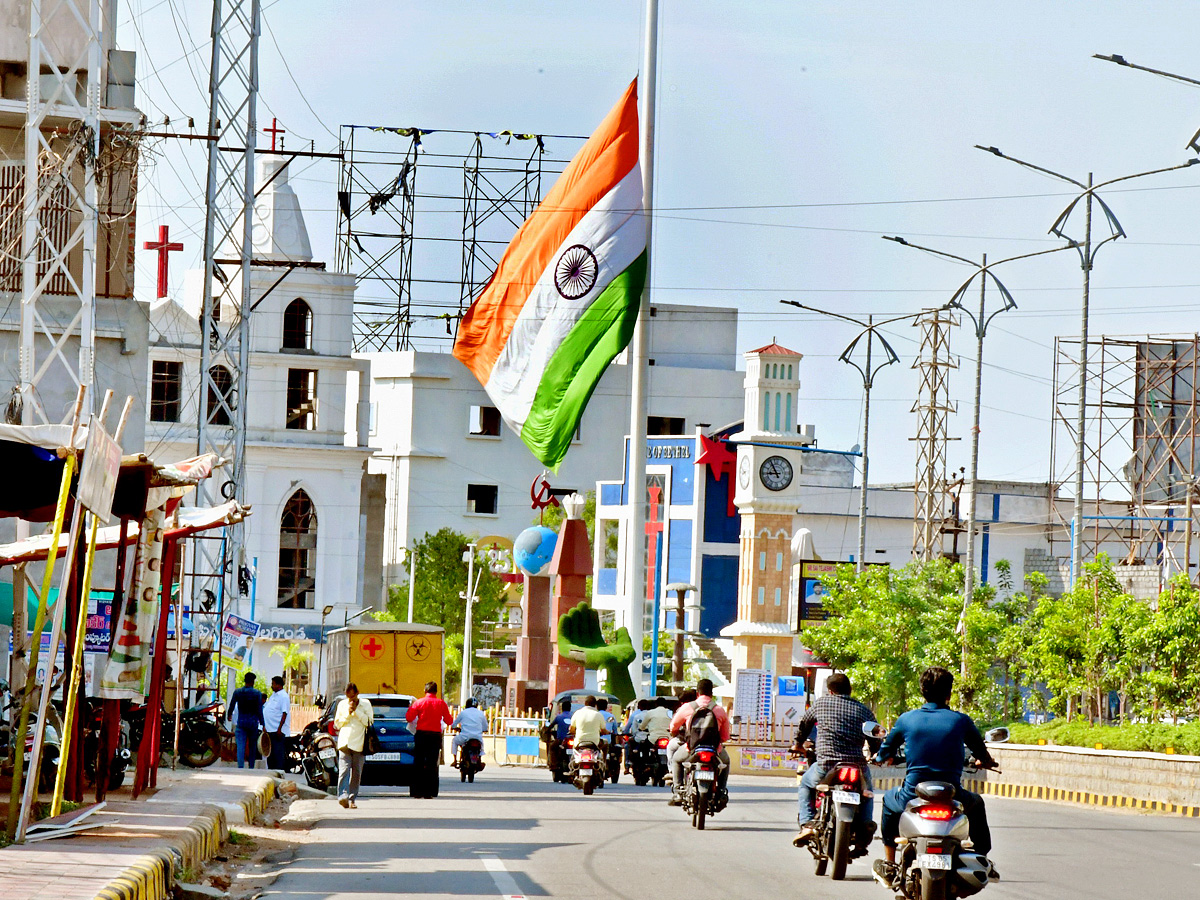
1140 444
934 514
60 217
225 315
491 188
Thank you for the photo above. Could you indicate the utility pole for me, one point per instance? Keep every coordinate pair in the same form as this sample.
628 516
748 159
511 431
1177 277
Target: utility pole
464 688
868 372
933 407
412 582
981 320
1087 251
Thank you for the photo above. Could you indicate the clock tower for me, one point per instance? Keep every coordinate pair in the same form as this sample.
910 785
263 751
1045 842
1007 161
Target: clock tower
769 464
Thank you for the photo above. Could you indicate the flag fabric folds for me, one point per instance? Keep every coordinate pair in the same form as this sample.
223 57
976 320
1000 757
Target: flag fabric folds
564 299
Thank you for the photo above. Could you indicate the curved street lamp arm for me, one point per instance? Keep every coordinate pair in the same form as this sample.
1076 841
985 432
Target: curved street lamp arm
962 259
1029 165
869 376
824 312
1121 61
1183 165
1029 255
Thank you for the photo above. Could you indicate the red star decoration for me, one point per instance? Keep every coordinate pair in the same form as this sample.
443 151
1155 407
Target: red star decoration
721 461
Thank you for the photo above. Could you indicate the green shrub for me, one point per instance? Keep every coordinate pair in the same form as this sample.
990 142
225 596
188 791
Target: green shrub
1140 736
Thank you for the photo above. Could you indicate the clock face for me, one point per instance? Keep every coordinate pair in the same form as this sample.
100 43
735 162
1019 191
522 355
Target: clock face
776 473
744 472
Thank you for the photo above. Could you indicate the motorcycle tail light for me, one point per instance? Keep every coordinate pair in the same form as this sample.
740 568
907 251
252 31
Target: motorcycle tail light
585 755
936 813
848 775
705 756
570 742
662 742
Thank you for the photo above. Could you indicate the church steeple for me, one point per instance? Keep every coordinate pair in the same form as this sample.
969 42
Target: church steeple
772 391
279 229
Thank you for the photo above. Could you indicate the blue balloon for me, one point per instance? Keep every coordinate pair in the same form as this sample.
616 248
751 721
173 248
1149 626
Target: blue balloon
534 548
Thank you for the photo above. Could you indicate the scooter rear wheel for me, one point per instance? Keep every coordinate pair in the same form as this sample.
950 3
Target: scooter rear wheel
587 789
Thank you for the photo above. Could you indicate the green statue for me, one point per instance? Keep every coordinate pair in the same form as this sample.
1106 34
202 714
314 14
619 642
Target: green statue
580 639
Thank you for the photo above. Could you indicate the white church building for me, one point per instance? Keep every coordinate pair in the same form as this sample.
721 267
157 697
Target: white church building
310 536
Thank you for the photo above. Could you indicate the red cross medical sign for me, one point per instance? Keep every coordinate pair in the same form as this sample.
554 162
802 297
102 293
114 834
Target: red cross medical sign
371 647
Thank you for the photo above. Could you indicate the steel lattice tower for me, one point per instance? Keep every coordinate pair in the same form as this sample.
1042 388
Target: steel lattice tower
224 319
933 409
52 192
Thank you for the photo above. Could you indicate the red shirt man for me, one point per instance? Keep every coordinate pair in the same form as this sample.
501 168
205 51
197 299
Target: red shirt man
429 712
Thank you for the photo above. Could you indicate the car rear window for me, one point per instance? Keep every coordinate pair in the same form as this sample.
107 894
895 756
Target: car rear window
389 709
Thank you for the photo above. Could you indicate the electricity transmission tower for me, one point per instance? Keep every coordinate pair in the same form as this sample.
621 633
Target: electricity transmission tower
933 409
224 318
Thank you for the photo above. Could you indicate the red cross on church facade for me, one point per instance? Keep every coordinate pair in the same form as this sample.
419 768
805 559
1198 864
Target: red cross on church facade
274 131
164 246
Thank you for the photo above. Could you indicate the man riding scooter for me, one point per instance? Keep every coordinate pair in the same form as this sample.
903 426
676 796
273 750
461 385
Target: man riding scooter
678 750
471 724
556 734
934 737
839 722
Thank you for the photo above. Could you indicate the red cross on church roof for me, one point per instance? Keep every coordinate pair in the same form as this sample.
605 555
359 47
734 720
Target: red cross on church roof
773 349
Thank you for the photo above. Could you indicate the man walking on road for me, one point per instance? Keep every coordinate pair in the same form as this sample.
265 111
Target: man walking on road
277 714
430 713
352 718
247 702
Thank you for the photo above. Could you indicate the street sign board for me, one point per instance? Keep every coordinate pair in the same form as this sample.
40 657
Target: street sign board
98 476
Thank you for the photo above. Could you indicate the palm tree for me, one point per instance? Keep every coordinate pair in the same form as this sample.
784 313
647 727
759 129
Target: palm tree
295 664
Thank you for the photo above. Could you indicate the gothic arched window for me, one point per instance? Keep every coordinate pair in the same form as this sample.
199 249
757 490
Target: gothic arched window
220 389
298 552
297 326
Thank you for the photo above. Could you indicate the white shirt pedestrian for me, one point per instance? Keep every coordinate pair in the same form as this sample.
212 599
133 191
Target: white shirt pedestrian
277 713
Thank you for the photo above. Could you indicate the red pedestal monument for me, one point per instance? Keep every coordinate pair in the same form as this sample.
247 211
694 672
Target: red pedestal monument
528 685
572 564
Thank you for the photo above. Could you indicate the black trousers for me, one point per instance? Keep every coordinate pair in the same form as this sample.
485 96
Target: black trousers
279 751
897 798
425 778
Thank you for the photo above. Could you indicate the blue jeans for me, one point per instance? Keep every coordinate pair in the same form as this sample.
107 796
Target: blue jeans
247 744
808 794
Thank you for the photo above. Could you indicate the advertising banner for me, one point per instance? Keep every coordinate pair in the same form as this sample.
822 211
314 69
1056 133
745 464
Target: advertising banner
236 637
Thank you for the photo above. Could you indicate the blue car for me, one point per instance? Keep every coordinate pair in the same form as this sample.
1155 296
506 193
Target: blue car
393 764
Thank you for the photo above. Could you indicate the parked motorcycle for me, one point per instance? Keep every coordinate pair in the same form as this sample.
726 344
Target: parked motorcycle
199 733
933 850
51 751
320 760
118 763
586 769
470 760
700 795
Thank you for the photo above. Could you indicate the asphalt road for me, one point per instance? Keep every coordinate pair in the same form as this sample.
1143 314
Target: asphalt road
515 834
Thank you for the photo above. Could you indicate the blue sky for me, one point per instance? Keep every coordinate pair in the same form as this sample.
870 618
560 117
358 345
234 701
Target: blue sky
791 136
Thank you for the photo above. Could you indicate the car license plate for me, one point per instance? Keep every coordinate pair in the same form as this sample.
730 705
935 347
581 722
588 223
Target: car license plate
850 797
327 754
934 861
384 757
703 775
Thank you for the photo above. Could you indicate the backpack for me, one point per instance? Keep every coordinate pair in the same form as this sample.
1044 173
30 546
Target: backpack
703 728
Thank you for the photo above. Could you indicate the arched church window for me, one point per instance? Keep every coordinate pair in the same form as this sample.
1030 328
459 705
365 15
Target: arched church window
297 326
298 553
220 396
789 375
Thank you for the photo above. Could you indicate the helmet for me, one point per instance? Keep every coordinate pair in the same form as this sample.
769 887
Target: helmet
470 702
972 872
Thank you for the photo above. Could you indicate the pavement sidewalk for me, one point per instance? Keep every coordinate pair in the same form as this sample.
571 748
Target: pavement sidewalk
143 843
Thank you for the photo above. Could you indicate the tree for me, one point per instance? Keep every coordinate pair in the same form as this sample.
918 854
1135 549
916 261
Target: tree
295 664
438 598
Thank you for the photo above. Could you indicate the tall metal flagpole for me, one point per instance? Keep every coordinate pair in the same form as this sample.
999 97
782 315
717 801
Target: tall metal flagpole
635 560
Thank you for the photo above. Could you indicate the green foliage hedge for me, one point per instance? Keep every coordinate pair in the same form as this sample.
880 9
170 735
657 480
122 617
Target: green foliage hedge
1134 736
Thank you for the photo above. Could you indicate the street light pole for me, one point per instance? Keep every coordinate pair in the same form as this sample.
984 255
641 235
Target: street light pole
464 688
412 582
321 656
1087 251
983 271
868 371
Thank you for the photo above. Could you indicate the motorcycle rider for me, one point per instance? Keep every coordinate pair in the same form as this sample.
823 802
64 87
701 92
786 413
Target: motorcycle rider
677 749
934 736
588 725
839 721
610 721
556 733
471 724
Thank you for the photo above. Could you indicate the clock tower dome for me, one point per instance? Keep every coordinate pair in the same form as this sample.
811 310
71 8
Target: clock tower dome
767 496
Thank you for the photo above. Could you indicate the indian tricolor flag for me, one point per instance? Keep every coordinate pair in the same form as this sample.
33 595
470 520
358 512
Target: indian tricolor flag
564 299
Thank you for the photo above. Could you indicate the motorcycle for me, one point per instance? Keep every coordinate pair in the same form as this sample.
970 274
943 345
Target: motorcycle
199 733
643 757
118 763
557 755
838 830
613 767
51 751
586 769
933 851
700 795
317 753
470 760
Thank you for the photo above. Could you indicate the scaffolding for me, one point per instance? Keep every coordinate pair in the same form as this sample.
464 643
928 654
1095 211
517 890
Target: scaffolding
1140 444
934 512
475 196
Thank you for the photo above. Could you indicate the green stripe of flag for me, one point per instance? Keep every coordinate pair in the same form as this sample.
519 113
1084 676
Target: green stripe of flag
574 370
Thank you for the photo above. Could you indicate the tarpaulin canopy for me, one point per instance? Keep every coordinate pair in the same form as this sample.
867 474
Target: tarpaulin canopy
189 520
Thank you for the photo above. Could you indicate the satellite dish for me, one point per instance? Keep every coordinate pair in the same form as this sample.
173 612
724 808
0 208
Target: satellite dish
857 448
